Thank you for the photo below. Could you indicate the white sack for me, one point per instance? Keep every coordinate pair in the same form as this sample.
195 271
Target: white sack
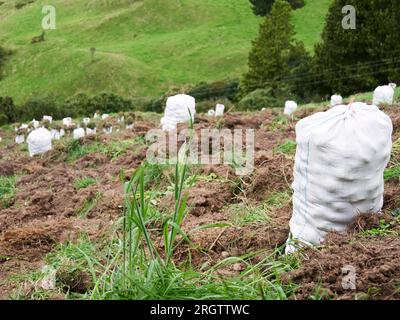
20 139
35 123
211 113
340 159
62 133
129 126
177 111
290 107
39 141
336 100
90 131
104 116
48 118
67 122
86 121
55 134
384 94
219 110
108 130
95 116
78 133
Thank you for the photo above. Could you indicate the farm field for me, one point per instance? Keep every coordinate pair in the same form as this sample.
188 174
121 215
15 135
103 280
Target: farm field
62 217
142 47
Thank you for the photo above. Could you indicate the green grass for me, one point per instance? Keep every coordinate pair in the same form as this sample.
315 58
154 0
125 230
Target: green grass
392 173
83 183
7 191
142 48
287 148
88 205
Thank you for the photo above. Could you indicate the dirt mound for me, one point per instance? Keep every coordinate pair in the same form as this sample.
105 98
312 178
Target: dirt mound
375 261
209 197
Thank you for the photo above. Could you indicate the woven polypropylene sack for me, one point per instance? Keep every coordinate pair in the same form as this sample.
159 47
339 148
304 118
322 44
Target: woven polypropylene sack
39 141
180 108
340 160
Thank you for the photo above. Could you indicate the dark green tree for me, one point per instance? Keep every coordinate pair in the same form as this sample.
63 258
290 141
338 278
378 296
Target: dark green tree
276 60
7 110
354 60
263 7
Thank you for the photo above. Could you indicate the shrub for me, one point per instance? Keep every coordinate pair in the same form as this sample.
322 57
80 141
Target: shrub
76 106
3 119
108 103
276 58
349 61
260 98
37 107
7 108
263 7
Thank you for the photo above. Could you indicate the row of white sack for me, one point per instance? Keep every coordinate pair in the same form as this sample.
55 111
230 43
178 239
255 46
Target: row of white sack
382 95
58 134
66 121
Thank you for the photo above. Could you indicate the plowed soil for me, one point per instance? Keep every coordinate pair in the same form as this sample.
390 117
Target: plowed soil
47 209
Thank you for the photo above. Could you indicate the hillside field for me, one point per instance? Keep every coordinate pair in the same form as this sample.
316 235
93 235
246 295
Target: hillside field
143 47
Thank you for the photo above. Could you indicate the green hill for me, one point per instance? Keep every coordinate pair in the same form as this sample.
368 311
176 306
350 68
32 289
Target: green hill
143 47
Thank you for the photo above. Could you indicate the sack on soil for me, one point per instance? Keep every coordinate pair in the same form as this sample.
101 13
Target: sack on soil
290 107
384 94
177 111
336 100
78 133
219 110
39 141
340 159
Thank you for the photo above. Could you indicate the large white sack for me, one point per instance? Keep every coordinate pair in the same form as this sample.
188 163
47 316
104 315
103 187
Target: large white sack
290 107
219 110
336 100
39 141
78 133
180 108
384 94
340 159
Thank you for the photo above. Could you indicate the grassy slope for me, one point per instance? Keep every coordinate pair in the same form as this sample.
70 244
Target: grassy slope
143 47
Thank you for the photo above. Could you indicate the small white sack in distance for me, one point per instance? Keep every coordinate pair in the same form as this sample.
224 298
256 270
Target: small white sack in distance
336 100
55 134
340 160
129 126
290 107
48 118
95 116
78 133
108 130
86 121
19 139
90 131
104 116
384 94
180 108
219 110
211 113
67 122
35 123
62 133
39 141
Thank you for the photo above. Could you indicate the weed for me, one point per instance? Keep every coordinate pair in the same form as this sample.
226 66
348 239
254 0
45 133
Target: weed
88 205
287 148
7 191
83 183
